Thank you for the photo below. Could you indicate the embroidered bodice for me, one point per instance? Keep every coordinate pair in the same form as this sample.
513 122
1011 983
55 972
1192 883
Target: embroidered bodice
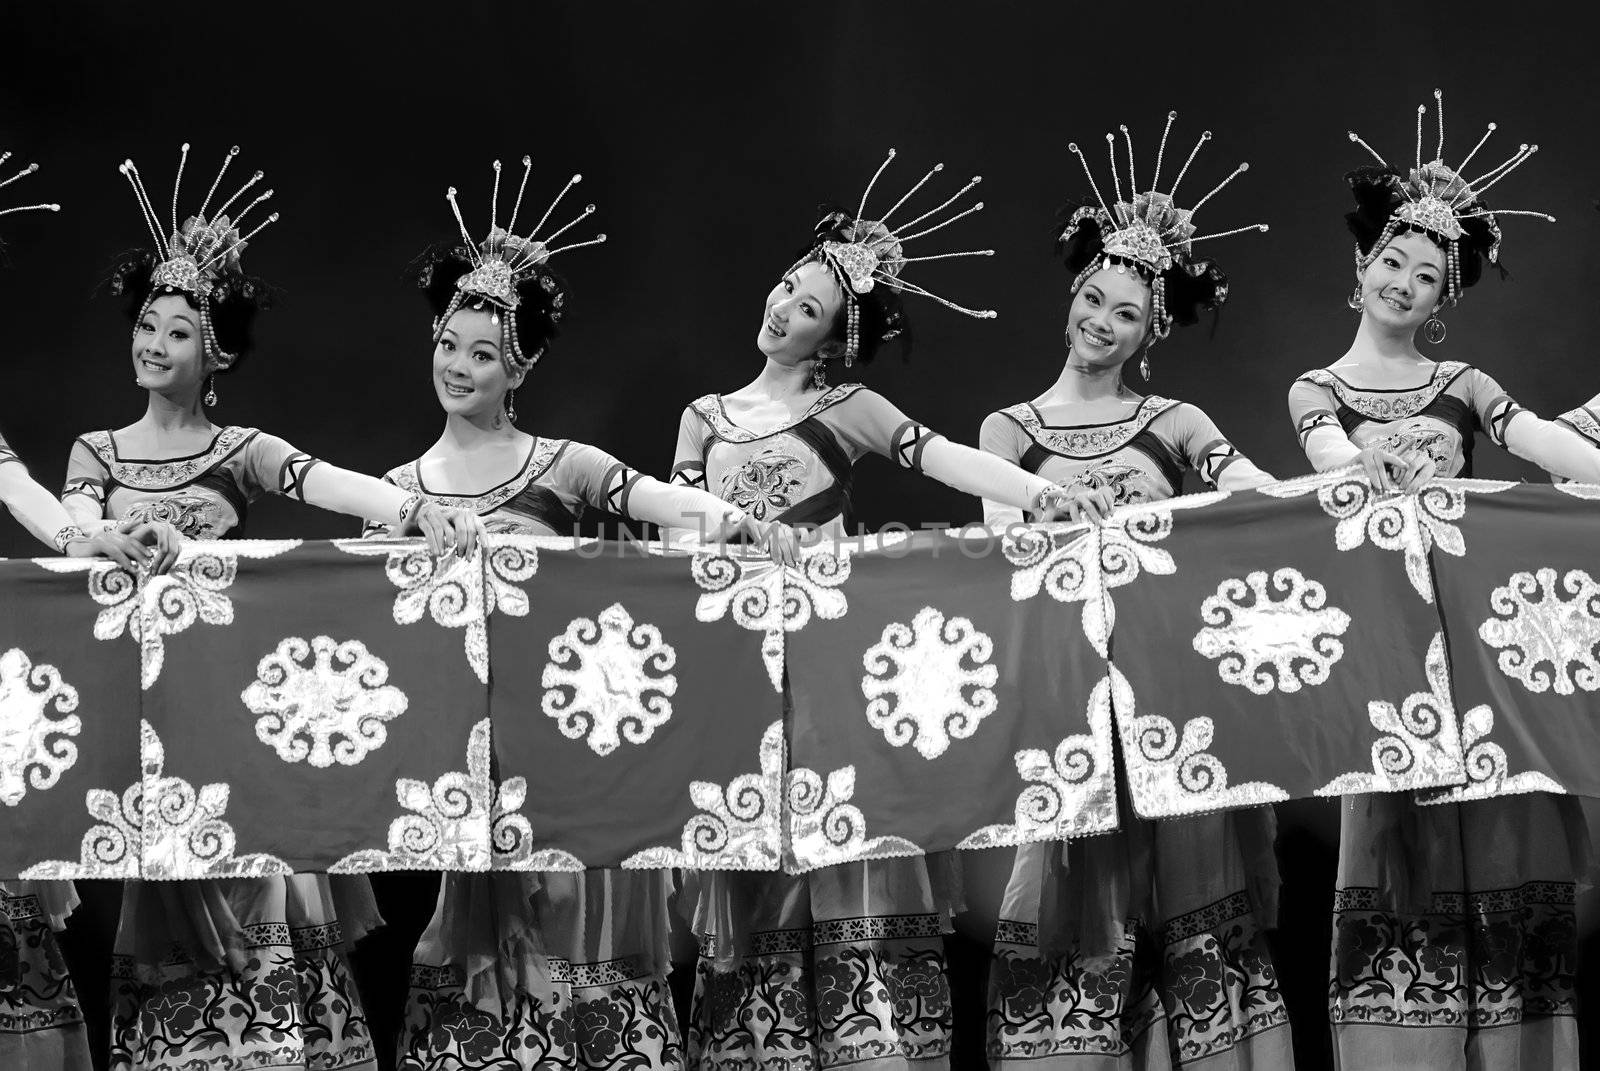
1439 416
558 480
204 495
799 473
1141 457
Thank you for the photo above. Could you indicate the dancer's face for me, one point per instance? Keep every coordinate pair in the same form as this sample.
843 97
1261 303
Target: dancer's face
1404 283
469 376
799 314
168 355
1109 317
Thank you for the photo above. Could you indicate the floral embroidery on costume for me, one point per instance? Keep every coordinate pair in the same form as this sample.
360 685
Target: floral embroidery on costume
1093 441
766 484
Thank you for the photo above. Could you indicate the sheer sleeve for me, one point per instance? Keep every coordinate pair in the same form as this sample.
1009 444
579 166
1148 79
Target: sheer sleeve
1312 406
271 466
689 459
35 508
869 421
595 478
84 493
1005 439
1495 408
1216 459
371 529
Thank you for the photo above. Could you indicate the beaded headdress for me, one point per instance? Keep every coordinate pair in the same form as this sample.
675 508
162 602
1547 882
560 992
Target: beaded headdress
201 258
1435 199
24 173
1148 231
863 252
503 261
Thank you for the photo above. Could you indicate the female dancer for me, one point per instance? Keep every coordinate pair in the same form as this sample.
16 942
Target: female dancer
1123 992
41 1024
777 965
1418 978
244 942
522 970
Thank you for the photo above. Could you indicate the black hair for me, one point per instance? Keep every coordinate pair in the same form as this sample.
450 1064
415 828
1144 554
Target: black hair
1380 192
881 313
1192 285
231 308
542 295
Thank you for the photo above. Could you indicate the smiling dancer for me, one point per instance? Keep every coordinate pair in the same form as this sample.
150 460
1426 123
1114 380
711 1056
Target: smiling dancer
1428 897
237 972
525 971
799 971
1153 974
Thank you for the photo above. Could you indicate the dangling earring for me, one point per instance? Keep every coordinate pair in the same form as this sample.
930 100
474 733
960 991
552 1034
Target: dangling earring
1354 300
511 406
1434 330
1144 365
211 390
819 374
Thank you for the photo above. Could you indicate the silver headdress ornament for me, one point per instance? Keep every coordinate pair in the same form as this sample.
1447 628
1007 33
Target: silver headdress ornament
198 257
24 173
1148 230
1438 199
503 261
872 252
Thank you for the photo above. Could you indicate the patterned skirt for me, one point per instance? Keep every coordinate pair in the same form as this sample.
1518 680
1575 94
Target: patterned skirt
841 968
41 1025
549 971
1455 936
240 973
1141 949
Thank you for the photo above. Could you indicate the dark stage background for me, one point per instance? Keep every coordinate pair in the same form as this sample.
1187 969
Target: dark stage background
706 134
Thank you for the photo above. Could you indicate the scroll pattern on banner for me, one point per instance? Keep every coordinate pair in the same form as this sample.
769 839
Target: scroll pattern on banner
1276 630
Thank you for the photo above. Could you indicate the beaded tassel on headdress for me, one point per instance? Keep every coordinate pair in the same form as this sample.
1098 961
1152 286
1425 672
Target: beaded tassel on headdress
872 252
1148 230
203 253
1438 198
503 260
24 173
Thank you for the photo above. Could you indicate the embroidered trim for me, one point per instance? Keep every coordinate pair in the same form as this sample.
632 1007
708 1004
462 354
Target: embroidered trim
1583 421
163 475
1088 440
711 410
1387 405
1210 917
875 928
541 456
